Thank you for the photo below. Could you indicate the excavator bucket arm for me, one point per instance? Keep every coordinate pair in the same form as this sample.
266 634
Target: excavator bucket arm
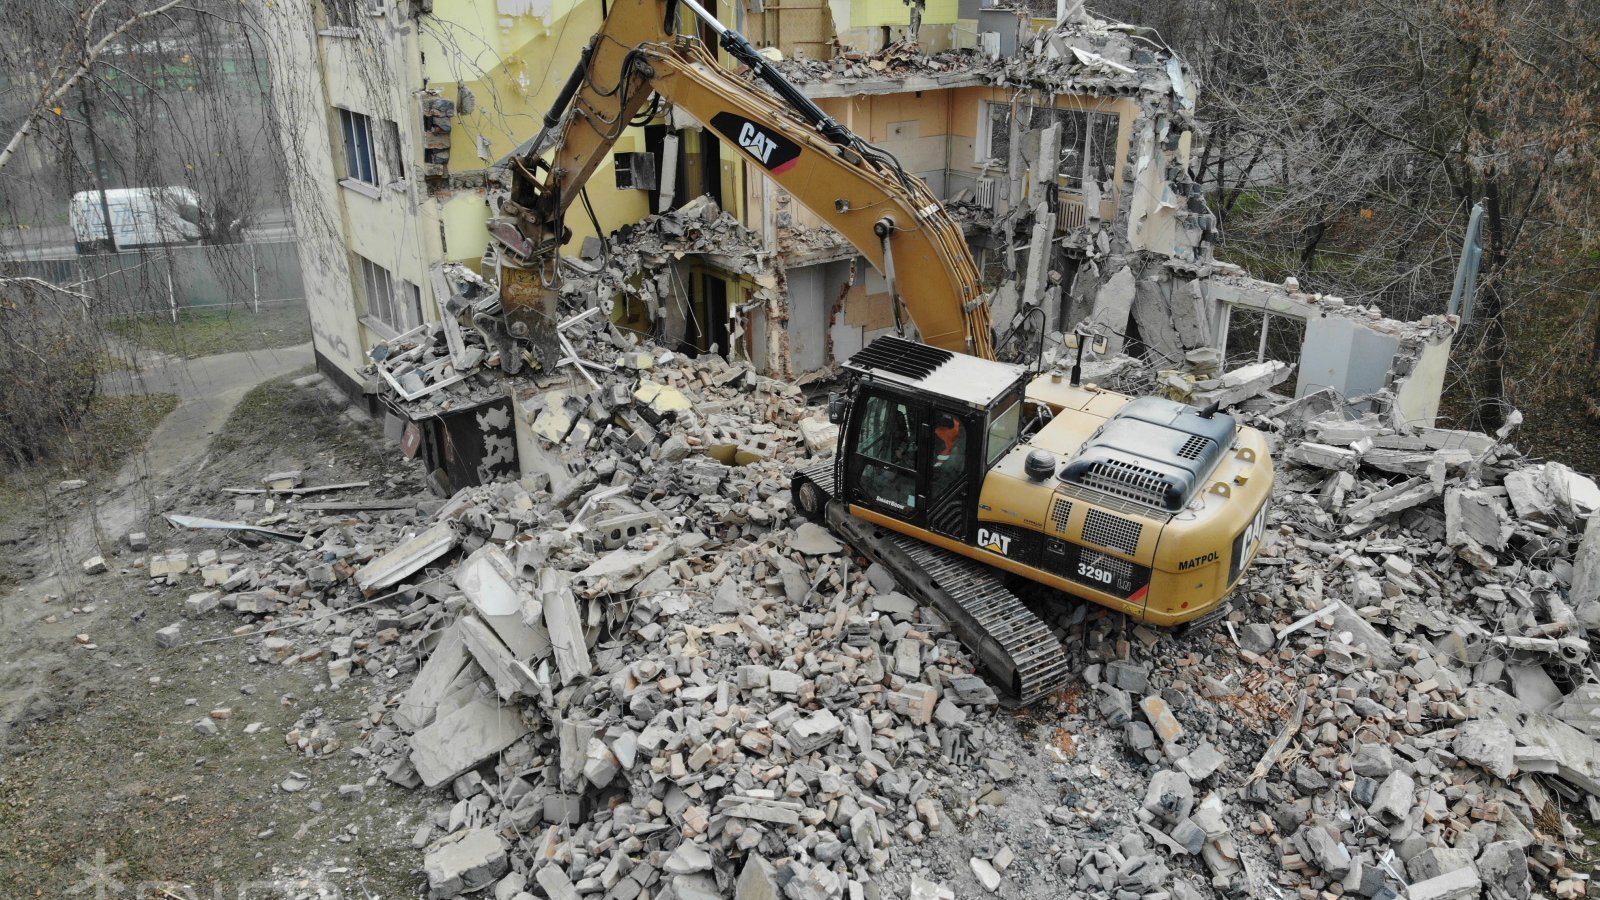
889 215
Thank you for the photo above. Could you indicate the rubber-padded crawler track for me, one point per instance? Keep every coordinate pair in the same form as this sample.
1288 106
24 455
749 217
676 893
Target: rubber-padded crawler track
1013 643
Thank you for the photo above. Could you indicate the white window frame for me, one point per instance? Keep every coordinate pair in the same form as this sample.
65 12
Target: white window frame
983 146
393 304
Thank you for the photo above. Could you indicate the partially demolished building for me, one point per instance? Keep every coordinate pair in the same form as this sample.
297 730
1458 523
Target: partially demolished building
632 673
1062 145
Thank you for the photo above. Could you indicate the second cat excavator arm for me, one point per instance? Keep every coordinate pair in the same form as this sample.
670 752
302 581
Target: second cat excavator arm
890 216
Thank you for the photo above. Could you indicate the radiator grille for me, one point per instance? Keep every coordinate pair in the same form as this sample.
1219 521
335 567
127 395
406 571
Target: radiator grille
1111 532
901 357
1070 213
1123 479
1195 447
1060 512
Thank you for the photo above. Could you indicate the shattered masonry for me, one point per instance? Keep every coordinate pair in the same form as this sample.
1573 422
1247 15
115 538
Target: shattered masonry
628 673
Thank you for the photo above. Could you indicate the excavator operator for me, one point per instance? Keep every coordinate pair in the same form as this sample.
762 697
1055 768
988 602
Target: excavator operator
949 452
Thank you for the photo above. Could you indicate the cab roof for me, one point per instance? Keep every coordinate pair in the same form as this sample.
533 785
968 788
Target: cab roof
968 379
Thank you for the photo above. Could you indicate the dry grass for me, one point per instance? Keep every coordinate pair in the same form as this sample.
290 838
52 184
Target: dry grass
210 331
114 429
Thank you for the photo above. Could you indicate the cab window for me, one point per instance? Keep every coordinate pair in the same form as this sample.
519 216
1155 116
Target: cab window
887 449
1003 429
949 438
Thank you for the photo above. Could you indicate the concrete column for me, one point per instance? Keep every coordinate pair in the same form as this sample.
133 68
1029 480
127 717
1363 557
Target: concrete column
1045 167
669 172
1111 307
1039 254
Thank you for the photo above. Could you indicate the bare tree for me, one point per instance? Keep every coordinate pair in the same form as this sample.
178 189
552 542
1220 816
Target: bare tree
111 94
1367 129
77 59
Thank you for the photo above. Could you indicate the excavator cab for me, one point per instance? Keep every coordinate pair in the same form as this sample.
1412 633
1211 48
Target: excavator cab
920 427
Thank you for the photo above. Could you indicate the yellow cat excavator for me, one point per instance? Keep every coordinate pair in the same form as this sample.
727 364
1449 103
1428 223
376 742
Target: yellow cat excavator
953 470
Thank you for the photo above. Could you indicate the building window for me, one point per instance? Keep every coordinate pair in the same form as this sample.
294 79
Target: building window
395 151
358 156
1088 139
343 13
393 302
408 302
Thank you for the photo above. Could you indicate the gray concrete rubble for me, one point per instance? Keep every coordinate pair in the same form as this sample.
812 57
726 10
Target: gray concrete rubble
634 672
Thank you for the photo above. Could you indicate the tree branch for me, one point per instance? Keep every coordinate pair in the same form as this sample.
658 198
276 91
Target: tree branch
40 283
90 56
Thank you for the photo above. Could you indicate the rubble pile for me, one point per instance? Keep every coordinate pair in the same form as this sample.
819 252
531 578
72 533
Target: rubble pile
1428 605
898 59
659 685
635 673
659 671
441 367
1088 55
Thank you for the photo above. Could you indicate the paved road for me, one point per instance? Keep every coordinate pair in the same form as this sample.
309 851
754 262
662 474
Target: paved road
205 376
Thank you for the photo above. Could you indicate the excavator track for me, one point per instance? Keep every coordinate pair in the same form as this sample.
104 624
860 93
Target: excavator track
1013 643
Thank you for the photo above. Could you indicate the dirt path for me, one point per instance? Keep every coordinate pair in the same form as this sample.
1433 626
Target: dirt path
208 388
102 772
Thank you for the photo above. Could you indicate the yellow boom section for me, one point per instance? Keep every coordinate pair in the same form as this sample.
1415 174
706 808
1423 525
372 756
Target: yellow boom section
844 181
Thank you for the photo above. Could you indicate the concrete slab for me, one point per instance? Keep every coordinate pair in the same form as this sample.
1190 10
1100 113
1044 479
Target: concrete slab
566 627
433 682
462 739
511 676
488 579
407 558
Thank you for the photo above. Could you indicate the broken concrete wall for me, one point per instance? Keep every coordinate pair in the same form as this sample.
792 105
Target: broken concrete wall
1137 232
1112 304
1072 225
1172 316
1419 376
809 318
976 151
1352 350
1346 356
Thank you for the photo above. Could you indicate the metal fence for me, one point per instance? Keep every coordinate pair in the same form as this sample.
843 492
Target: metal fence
166 281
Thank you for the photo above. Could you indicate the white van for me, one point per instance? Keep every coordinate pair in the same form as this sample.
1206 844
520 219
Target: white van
140 217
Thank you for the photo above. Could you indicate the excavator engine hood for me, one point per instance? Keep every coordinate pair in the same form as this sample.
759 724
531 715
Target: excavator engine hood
1154 451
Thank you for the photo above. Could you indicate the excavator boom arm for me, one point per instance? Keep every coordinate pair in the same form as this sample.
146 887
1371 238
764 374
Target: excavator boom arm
889 216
